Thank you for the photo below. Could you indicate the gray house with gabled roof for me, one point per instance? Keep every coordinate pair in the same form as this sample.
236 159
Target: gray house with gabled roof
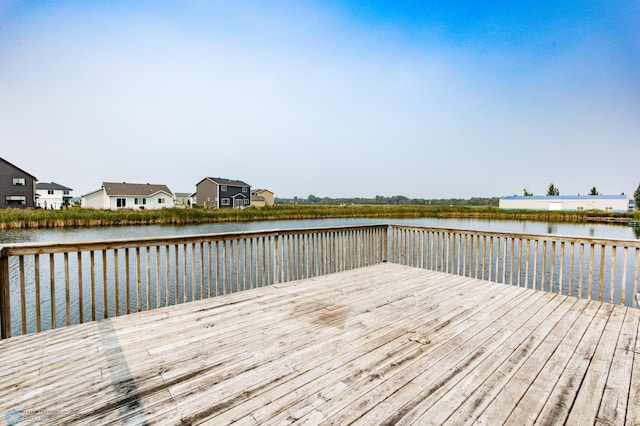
17 187
122 195
219 193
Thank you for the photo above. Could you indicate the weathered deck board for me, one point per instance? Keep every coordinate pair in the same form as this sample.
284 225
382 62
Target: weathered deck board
382 344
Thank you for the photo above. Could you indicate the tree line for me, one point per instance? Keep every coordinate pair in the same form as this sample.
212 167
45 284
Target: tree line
394 200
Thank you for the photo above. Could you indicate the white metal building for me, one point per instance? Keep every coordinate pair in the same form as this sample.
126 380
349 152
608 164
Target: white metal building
607 203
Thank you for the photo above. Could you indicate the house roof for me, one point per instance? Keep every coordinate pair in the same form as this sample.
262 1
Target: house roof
257 191
52 185
228 182
565 197
18 168
113 189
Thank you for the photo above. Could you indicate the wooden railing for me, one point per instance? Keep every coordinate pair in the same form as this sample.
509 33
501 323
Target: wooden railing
593 268
44 286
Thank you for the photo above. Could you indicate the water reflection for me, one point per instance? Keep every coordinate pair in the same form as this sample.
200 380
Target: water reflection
147 231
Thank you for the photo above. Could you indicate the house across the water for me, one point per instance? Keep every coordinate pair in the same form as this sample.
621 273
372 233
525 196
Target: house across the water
52 195
116 195
606 203
219 193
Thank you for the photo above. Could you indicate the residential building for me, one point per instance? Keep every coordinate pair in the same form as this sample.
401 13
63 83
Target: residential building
116 195
17 187
262 198
52 195
218 193
607 203
183 199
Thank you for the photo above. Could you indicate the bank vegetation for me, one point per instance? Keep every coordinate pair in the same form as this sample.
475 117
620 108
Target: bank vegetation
79 217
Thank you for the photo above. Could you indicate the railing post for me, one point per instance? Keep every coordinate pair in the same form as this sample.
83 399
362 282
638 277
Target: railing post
5 299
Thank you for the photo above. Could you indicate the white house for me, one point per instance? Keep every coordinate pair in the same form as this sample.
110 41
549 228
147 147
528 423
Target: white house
52 195
113 195
607 203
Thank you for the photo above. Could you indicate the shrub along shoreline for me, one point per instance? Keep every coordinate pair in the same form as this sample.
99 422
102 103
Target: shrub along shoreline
78 217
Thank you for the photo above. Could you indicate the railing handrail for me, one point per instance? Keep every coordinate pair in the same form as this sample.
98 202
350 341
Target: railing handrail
527 236
21 249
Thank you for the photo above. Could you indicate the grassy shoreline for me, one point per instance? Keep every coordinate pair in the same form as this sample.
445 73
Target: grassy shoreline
76 217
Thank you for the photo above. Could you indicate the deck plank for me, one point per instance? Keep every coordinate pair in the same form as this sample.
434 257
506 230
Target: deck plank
380 344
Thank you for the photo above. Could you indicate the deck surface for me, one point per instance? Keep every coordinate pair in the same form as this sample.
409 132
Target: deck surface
385 344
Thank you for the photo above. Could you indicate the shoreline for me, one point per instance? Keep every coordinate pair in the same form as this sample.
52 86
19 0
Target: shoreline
80 218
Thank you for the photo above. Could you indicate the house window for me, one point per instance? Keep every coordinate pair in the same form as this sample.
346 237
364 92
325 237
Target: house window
246 202
160 200
121 202
140 201
225 202
16 200
223 188
608 209
244 189
580 208
50 191
65 192
19 182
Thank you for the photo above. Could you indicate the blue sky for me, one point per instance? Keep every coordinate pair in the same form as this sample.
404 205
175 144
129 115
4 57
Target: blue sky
332 98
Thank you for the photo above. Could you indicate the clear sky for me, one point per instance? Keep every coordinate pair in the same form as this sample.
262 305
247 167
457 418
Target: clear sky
355 98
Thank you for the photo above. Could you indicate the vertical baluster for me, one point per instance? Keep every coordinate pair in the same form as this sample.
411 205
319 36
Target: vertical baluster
561 268
138 281
80 289
535 265
158 292
147 274
581 270
167 276
217 268
623 281
571 261
224 267
201 275
185 280
520 260
490 259
245 265
591 260
23 296
601 286
612 284
116 274
105 284
194 291
544 265
635 276
92 270
176 283
67 290
52 289
127 278
527 261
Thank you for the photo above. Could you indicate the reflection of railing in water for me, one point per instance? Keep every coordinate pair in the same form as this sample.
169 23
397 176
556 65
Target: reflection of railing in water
46 286
593 268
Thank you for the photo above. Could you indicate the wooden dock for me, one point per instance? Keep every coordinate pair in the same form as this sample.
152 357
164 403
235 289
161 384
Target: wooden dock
382 344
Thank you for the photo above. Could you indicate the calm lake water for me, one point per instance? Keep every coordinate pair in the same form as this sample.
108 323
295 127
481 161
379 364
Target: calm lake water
106 233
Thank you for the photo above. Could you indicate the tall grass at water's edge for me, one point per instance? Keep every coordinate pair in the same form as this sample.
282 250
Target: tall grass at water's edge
78 217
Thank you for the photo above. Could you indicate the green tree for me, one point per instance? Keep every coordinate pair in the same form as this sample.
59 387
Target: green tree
553 190
527 193
594 191
636 196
